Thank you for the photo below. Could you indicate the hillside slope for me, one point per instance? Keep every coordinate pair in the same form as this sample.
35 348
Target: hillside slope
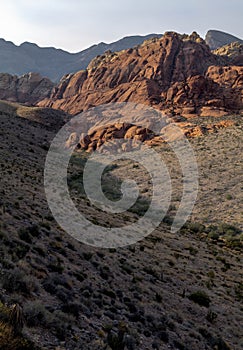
167 291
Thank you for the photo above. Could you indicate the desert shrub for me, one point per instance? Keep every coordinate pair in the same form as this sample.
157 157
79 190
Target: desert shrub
25 235
127 268
17 281
56 267
7 264
52 282
63 294
192 250
34 230
20 251
50 286
109 293
225 228
140 207
227 233
226 266
168 220
214 235
211 316
214 341
87 255
80 276
4 313
196 227
239 291
9 341
35 314
200 297
105 272
72 308
158 297
178 345
228 197
151 271
41 251
61 323
49 217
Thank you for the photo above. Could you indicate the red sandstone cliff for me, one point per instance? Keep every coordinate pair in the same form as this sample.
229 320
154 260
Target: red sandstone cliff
175 73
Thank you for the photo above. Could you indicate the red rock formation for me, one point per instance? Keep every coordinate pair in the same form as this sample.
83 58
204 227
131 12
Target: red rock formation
177 74
170 73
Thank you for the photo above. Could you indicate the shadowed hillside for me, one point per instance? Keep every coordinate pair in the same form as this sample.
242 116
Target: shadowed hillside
166 291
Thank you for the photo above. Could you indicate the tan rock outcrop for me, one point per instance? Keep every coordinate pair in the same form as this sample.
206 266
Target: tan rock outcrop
29 88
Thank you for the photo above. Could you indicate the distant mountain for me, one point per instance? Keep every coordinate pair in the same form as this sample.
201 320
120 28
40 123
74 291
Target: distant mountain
216 39
54 63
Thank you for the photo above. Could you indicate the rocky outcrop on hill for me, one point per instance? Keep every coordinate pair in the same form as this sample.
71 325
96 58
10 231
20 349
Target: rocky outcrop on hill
218 91
105 139
233 51
216 39
176 73
100 136
29 88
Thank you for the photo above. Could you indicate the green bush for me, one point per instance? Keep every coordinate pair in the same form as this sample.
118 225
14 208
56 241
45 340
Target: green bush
196 227
200 297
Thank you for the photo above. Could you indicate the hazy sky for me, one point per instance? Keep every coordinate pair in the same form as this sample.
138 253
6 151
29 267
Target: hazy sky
76 24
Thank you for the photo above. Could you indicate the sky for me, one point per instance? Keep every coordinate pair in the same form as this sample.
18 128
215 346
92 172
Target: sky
74 25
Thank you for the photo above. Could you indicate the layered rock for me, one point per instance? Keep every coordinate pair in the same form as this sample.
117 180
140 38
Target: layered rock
29 88
126 137
100 136
219 90
233 51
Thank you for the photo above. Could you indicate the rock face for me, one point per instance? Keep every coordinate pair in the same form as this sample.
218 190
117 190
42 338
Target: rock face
220 88
233 51
29 88
176 73
54 63
216 39
97 138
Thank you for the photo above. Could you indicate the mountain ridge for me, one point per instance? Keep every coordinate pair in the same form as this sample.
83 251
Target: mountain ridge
54 63
216 38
